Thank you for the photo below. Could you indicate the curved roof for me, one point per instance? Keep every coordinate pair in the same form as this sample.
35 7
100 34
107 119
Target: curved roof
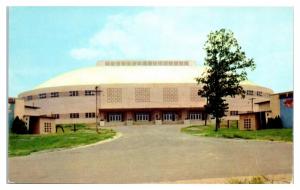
127 75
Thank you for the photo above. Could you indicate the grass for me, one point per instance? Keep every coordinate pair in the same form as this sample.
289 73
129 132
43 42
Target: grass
21 145
234 132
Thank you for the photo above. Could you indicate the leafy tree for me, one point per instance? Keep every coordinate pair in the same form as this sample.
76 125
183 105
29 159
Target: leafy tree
19 126
226 66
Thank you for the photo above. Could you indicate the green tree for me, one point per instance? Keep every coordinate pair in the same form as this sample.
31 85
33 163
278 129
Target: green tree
19 126
226 66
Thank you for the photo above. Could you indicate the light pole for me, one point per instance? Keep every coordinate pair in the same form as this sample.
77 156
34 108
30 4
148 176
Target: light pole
96 94
252 103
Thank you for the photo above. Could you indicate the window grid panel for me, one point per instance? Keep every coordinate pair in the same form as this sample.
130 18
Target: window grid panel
170 95
114 95
194 95
142 95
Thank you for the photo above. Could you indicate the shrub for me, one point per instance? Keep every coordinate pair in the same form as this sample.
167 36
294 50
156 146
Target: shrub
274 123
19 126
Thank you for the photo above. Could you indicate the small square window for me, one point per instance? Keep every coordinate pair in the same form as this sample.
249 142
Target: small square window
42 96
249 92
73 93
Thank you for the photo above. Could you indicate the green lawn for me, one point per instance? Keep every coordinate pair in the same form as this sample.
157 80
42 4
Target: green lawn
20 145
233 132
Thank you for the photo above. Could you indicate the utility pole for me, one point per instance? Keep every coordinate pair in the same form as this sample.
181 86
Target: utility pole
252 103
96 94
206 112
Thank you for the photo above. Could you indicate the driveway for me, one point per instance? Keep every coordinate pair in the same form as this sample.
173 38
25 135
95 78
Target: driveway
154 154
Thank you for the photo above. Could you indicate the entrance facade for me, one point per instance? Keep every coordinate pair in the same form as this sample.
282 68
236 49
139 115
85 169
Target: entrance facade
151 116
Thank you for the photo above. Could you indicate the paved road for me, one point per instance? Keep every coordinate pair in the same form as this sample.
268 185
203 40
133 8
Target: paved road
153 154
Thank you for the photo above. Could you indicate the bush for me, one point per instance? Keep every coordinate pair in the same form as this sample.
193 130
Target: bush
19 126
274 123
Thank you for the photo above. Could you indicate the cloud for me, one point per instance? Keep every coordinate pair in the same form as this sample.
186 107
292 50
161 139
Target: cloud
151 34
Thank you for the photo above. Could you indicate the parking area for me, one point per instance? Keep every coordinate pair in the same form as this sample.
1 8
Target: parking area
154 154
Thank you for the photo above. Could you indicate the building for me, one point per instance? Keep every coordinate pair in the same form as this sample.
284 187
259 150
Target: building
133 92
34 122
280 104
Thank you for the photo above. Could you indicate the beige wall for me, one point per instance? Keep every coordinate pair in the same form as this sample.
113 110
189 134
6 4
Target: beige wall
83 104
19 108
275 105
254 123
264 107
42 122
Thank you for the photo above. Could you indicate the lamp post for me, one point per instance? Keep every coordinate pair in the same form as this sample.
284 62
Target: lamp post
96 94
252 103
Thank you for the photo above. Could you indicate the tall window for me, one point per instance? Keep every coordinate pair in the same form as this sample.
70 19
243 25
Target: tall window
73 93
247 123
114 117
90 115
74 115
142 117
54 94
47 127
89 93
42 95
195 116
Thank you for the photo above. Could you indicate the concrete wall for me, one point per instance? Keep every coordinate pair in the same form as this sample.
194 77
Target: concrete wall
252 117
161 96
42 122
275 105
19 108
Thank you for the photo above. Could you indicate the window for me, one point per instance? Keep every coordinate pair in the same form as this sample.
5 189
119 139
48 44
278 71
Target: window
195 116
249 92
169 116
234 113
54 94
55 116
247 123
47 127
89 93
114 117
29 97
90 115
74 115
142 117
42 96
259 93
73 93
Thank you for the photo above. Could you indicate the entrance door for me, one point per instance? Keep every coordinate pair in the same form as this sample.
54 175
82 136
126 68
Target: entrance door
142 117
168 116
114 117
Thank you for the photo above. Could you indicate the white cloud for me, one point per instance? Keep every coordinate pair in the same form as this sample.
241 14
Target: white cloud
152 34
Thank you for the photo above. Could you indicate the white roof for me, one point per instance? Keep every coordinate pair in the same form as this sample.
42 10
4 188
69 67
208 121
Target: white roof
98 75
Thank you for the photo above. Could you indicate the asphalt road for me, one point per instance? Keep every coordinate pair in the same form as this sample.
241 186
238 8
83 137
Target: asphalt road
154 154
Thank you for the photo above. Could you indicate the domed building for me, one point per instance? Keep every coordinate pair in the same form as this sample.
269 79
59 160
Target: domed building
132 92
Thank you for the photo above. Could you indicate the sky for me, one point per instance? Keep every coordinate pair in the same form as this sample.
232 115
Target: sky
44 42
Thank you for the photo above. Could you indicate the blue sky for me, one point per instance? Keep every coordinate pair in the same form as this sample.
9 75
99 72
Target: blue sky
47 41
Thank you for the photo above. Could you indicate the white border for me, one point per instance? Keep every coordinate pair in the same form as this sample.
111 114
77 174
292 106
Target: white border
3 78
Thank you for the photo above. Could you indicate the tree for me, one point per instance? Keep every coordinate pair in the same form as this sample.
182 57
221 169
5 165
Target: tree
18 126
226 66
